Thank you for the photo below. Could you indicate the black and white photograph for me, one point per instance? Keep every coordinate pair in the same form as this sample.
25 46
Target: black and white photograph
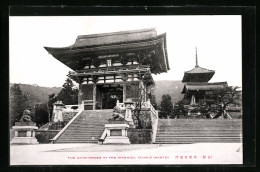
125 90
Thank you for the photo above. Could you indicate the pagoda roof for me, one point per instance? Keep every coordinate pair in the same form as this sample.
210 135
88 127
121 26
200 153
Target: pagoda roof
198 74
204 86
87 46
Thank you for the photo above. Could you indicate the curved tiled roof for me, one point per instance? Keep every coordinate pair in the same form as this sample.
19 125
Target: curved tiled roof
198 74
86 46
199 70
204 86
114 37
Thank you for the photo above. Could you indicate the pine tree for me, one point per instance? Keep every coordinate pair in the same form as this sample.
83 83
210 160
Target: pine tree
166 106
68 94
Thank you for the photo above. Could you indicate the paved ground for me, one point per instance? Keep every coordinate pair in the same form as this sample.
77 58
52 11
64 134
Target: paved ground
94 154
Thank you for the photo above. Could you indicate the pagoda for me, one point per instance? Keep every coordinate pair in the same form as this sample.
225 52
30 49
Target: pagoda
107 66
196 83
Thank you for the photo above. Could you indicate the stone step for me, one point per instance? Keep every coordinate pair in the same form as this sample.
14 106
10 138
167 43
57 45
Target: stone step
199 127
89 124
178 131
77 139
196 139
201 136
84 131
80 140
182 142
187 133
194 131
86 125
83 137
86 128
199 140
83 141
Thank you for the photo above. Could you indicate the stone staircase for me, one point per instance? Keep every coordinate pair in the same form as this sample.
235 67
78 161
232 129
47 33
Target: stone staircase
86 128
178 131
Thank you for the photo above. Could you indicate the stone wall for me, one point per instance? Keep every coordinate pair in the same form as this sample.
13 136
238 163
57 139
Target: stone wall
140 136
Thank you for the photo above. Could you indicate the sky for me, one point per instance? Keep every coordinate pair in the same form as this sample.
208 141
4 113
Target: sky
218 40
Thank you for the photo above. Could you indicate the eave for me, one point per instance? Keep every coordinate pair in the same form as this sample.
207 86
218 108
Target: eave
72 56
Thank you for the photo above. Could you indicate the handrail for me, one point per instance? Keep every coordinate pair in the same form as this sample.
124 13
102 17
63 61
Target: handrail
103 137
42 127
66 126
154 112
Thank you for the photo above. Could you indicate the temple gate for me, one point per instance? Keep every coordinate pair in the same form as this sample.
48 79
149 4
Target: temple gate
112 66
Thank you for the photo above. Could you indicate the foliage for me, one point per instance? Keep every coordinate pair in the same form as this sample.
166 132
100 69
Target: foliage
18 103
166 106
178 109
68 94
229 95
215 102
41 114
37 94
137 91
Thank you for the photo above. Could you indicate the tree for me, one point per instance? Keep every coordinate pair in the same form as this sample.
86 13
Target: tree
138 101
178 109
18 103
68 94
224 97
166 106
41 114
137 91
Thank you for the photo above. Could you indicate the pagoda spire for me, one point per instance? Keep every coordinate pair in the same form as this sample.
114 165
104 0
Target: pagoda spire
196 58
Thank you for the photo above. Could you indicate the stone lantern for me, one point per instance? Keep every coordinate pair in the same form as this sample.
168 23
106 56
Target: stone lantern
128 111
57 111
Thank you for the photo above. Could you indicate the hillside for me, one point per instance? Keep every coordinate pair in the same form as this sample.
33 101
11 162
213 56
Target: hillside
173 88
38 94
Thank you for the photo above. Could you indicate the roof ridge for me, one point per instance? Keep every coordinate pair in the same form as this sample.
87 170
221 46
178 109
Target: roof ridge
201 68
115 33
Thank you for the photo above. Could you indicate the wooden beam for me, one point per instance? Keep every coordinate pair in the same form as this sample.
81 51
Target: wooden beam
112 72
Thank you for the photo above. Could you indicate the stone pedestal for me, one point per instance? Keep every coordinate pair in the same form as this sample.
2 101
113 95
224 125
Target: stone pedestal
24 133
116 134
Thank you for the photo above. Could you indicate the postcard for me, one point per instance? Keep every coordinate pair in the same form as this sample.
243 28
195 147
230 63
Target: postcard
126 90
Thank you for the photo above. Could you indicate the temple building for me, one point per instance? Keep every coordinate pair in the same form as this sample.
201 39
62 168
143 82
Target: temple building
114 71
196 84
110 67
